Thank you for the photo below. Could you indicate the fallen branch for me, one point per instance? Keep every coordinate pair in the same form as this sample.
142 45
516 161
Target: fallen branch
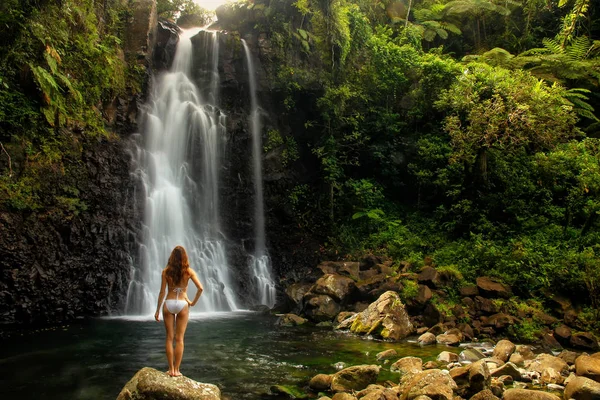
9 161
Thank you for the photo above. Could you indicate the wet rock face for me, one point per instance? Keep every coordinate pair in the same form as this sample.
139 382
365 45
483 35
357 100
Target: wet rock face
54 269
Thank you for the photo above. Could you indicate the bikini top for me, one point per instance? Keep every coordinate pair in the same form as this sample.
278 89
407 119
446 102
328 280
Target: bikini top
178 290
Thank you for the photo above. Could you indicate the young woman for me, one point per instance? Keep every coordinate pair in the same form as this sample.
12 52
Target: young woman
175 278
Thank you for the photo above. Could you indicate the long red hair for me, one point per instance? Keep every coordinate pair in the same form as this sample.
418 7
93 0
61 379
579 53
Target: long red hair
178 266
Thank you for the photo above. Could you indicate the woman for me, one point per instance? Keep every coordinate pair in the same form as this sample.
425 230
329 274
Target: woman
176 307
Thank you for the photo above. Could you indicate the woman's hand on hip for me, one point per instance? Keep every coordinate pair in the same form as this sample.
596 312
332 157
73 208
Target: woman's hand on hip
156 317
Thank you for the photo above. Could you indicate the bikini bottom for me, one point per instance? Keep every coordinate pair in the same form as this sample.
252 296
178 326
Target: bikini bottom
175 306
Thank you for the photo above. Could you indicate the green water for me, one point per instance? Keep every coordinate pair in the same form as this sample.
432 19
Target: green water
242 353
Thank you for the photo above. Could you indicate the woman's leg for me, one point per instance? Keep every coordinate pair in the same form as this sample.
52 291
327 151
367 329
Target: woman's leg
180 326
170 327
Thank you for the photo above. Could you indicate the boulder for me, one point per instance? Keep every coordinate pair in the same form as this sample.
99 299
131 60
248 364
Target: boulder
485 395
150 384
290 320
469 291
431 315
517 359
347 322
320 382
430 277
296 291
470 355
378 393
584 341
504 349
345 268
367 286
544 361
452 337
479 377
340 288
588 367
447 357
509 369
525 351
426 339
386 354
562 333
500 321
550 375
582 388
485 306
433 383
490 287
525 394
321 307
357 377
343 396
407 365
568 356
386 317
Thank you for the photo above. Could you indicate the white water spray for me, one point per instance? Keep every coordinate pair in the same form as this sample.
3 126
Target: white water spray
179 167
260 264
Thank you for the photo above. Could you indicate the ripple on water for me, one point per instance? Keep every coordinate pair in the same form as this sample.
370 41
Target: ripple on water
243 353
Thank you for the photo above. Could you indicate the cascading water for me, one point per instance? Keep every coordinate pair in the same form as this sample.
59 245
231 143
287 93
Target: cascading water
179 168
260 263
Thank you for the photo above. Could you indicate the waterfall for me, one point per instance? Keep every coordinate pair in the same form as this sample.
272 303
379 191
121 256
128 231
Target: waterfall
260 263
178 164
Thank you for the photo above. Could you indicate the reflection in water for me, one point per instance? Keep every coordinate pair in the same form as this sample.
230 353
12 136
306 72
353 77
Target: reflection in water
243 353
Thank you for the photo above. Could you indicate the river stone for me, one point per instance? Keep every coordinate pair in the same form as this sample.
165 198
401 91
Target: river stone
479 377
504 349
426 339
339 288
366 286
407 365
470 355
290 320
507 369
433 383
386 317
543 361
320 382
296 291
562 333
525 351
489 287
321 308
525 394
447 357
354 378
449 338
343 396
582 388
429 276
346 268
485 395
150 384
378 393
386 354
585 341
517 359
344 315
568 356
588 367
550 375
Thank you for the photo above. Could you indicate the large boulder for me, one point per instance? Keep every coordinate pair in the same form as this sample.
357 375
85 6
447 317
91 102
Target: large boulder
150 384
544 361
584 341
339 288
350 269
479 377
386 317
504 349
320 382
357 377
290 320
525 394
588 367
407 365
489 287
433 383
320 308
581 388
296 291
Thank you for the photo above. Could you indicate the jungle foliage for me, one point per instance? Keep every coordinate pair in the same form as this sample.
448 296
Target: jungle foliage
460 131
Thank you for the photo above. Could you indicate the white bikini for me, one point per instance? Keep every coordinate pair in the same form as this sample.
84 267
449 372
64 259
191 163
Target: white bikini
175 306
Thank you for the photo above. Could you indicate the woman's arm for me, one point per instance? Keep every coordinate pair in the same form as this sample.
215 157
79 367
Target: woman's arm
161 295
196 281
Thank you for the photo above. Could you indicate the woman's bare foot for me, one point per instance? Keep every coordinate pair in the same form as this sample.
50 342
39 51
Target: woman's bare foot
177 373
171 373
